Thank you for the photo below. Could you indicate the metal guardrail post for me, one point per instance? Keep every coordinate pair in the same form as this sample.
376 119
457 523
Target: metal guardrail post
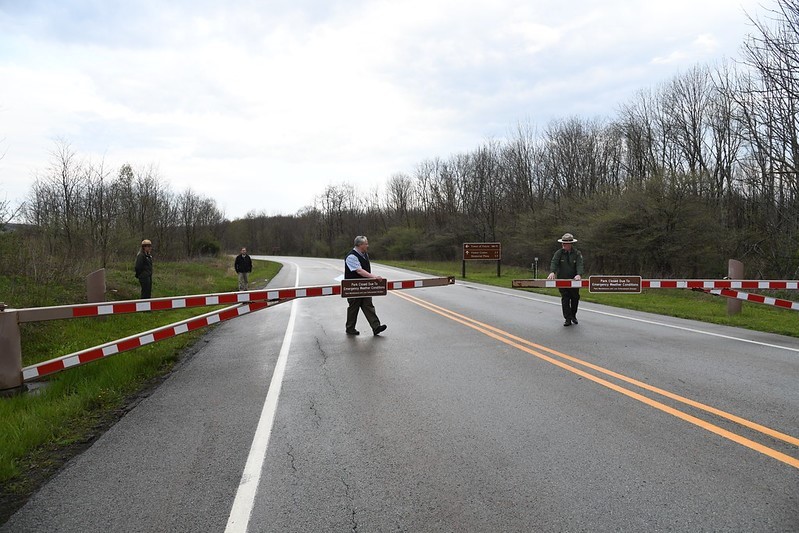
10 352
735 270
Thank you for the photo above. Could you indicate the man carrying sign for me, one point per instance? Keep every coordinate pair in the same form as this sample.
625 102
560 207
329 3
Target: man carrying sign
356 265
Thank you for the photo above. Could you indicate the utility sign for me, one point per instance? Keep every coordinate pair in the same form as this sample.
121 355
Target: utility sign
484 251
622 284
363 287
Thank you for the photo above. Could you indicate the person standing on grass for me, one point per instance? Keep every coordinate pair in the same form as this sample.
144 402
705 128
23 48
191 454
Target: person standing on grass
356 265
567 263
243 266
144 269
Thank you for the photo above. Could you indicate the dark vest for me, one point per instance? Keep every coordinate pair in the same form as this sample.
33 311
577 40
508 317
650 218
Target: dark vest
351 274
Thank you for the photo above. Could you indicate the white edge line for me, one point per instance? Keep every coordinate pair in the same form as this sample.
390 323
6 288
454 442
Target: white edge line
683 328
241 510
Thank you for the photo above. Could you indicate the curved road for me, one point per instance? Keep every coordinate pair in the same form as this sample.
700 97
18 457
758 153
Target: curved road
475 411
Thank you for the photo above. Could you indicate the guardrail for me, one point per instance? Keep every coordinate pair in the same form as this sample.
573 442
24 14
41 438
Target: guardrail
13 376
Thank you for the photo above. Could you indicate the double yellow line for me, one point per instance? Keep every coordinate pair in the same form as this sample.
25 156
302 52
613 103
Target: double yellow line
537 351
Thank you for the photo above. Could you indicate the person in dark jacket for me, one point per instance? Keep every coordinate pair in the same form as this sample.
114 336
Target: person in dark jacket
144 268
356 265
567 263
243 266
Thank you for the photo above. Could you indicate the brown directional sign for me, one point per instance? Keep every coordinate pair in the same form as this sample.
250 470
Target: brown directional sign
623 284
486 251
363 287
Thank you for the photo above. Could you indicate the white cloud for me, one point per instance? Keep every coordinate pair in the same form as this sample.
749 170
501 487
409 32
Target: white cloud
706 43
279 99
677 56
702 47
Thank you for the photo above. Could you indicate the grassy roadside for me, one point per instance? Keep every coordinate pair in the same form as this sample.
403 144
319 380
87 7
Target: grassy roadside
41 429
671 302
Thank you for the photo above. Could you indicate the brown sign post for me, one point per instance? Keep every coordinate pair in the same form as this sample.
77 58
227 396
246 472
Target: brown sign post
482 251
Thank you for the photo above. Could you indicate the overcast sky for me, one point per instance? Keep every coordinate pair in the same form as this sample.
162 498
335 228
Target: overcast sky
261 104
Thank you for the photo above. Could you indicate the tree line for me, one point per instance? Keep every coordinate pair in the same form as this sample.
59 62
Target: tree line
80 215
688 173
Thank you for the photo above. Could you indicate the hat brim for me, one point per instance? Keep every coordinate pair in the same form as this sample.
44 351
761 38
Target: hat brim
567 242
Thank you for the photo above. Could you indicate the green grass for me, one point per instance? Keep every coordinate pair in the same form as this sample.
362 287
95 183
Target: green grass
671 302
36 426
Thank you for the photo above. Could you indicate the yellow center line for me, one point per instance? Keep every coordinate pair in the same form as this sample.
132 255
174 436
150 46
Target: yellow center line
741 421
523 345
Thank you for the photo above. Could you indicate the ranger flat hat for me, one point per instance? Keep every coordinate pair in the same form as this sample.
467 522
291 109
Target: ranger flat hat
145 242
567 237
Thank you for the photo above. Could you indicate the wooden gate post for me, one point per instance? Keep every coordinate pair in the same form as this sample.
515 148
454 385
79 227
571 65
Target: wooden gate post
10 353
735 270
95 286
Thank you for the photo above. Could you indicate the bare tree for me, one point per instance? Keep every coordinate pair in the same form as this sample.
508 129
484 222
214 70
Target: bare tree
55 200
581 156
771 100
334 204
637 126
189 205
518 161
67 179
400 198
486 177
103 206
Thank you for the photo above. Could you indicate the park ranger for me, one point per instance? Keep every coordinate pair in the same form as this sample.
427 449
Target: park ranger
567 263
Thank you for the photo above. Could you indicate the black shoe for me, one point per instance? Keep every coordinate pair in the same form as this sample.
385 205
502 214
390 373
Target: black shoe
353 332
567 323
574 321
379 329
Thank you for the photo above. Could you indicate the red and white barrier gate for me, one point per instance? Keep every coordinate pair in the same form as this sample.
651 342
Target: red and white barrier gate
718 287
39 370
244 303
36 314
757 298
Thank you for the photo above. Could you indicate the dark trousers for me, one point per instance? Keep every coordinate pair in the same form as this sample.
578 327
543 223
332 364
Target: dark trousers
569 300
146 283
364 304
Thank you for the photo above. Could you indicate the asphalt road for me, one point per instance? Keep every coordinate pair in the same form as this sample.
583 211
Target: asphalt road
475 411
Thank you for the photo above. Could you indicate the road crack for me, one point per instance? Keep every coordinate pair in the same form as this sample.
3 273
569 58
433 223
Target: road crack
321 351
353 517
290 453
323 365
317 420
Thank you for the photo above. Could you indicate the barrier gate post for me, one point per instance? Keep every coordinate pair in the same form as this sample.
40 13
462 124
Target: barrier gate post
10 353
95 286
735 270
